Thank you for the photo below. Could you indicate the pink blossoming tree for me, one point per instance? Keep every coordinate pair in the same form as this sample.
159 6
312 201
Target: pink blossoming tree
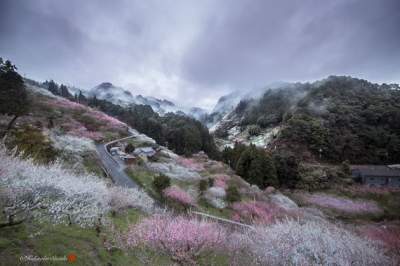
191 164
257 212
342 204
221 181
178 195
388 236
180 238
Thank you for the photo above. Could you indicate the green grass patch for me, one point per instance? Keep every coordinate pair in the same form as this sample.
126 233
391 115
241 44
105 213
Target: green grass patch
123 219
144 179
92 164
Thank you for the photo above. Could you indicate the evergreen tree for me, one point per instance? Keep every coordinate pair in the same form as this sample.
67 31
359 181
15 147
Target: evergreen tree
161 182
13 95
64 92
52 87
287 168
257 167
81 98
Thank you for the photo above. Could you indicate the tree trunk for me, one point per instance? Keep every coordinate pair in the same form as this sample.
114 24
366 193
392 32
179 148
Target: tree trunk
11 123
11 222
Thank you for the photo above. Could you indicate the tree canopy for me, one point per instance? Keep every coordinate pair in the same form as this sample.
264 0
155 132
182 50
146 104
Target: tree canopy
13 95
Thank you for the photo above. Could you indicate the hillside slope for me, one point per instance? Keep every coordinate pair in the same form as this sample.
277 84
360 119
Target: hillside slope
336 119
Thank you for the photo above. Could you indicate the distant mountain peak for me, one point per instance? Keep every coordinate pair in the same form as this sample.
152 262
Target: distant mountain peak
118 95
105 85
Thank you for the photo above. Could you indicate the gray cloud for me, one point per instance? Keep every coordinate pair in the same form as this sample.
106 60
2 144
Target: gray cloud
195 51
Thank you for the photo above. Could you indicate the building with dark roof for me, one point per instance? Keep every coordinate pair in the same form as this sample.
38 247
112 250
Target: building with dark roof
376 175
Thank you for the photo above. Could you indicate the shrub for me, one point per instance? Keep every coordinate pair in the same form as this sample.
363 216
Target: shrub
129 148
345 167
232 194
203 185
183 240
161 182
257 212
216 192
190 164
287 169
178 196
220 181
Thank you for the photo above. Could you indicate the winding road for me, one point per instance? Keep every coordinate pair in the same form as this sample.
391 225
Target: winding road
115 168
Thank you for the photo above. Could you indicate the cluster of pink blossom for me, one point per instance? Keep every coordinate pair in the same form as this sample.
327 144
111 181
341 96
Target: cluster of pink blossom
388 235
257 212
221 181
109 121
181 238
106 120
177 194
362 190
66 104
342 204
192 164
75 128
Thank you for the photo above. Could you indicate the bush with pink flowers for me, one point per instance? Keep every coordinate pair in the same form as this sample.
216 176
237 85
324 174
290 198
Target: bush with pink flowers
190 163
221 181
257 212
342 204
65 104
174 194
367 191
75 128
387 235
85 121
184 240
108 121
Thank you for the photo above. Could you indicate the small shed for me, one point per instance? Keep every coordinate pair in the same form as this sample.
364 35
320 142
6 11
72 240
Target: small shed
376 175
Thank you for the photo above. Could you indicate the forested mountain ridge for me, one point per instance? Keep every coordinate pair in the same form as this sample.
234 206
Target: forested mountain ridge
336 119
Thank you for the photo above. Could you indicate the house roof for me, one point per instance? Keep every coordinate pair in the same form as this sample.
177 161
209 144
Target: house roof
376 170
128 156
145 149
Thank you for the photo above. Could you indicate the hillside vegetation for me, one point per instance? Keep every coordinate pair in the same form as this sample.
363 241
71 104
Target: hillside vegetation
336 119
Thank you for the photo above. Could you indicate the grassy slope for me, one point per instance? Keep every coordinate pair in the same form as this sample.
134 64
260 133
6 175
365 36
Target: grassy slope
60 240
41 239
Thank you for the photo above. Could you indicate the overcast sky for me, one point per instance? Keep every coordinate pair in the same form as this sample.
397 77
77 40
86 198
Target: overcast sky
192 52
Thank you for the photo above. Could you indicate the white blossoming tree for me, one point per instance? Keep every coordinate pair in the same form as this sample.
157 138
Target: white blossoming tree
63 196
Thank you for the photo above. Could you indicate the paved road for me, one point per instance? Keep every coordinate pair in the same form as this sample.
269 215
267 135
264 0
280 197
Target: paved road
115 170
